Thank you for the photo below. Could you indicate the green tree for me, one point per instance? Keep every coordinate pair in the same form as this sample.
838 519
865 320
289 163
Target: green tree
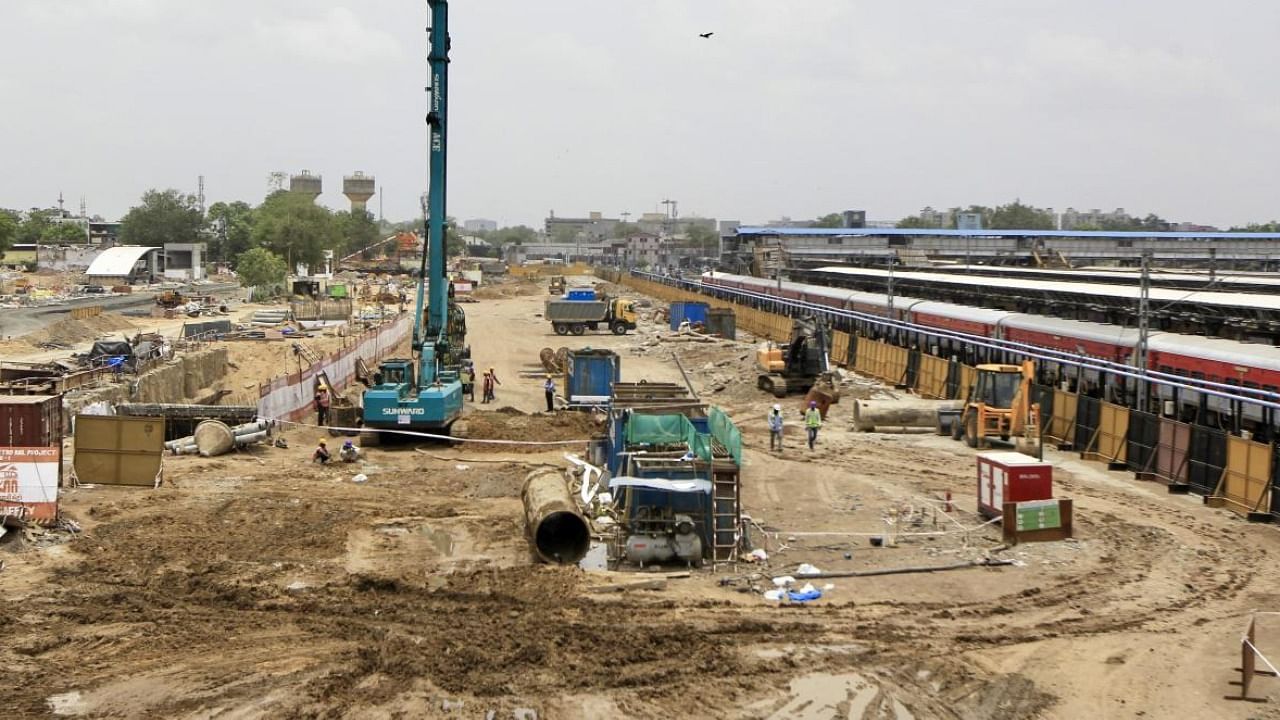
165 216
831 220
1154 222
294 227
516 235
1017 216
64 234
912 221
706 240
564 235
624 230
1271 227
359 231
232 225
8 230
454 245
260 267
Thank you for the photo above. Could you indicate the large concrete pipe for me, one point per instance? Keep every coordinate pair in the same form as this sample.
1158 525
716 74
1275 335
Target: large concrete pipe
213 437
556 530
885 415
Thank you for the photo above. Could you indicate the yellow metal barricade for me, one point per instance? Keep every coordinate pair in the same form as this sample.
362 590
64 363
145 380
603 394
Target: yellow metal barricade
1062 426
1246 482
1113 431
840 347
931 381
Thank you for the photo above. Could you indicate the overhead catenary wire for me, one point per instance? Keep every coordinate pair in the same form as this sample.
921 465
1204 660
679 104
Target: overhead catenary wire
1031 351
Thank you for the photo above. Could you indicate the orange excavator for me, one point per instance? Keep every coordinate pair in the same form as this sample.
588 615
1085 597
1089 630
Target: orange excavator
999 405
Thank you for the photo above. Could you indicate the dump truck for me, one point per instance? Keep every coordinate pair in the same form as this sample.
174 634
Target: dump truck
578 316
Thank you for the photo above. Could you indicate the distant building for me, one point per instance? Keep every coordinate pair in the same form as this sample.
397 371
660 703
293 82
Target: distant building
479 225
104 233
1095 219
183 261
593 228
124 265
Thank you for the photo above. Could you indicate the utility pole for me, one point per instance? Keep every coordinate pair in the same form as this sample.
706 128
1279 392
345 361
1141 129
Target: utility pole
890 285
1144 329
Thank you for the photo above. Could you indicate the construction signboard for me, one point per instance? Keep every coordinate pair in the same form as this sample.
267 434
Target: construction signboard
29 482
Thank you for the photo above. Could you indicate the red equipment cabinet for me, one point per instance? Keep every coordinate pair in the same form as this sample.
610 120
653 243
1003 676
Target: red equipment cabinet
1011 477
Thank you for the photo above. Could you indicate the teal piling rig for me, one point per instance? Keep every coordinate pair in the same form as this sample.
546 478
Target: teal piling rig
433 400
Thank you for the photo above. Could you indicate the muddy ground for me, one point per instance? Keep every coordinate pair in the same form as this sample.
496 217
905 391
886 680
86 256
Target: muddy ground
259 585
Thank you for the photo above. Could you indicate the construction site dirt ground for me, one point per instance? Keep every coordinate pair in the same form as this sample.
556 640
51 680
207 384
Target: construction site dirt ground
261 585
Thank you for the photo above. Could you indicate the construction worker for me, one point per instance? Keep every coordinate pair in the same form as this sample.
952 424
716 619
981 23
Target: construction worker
349 452
812 421
321 455
775 428
468 379
322 404
549 388
490 380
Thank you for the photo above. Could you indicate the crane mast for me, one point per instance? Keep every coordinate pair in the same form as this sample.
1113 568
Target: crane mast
424 393
433 279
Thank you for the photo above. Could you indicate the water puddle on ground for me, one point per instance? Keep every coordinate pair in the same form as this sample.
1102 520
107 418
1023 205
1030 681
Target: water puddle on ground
849 696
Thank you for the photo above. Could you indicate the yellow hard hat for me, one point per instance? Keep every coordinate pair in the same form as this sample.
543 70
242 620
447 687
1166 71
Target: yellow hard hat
321 441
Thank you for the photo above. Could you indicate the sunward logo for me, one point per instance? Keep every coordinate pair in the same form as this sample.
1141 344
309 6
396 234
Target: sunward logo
403 411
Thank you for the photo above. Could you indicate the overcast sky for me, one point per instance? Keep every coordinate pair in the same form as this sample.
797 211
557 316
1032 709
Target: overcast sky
793 107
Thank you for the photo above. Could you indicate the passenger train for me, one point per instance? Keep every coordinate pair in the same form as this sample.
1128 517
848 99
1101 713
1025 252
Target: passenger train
1191 356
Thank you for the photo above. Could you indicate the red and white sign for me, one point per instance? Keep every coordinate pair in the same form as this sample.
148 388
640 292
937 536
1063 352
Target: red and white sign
29 482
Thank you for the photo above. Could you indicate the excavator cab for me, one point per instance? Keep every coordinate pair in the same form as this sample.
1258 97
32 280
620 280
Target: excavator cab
800 364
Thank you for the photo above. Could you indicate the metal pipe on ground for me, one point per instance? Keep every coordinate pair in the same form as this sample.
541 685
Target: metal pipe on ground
557 532
883 415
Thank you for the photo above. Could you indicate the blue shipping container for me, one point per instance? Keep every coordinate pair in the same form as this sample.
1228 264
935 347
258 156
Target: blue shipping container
694 312
588 295
591 376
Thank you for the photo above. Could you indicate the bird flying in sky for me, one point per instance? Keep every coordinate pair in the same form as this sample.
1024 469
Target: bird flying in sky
704 36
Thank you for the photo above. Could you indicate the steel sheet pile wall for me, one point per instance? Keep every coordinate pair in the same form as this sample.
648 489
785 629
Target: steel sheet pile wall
1230 471
289 397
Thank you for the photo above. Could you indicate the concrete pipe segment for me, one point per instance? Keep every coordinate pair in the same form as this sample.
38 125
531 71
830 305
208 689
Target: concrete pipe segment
213 437
557 532
868 415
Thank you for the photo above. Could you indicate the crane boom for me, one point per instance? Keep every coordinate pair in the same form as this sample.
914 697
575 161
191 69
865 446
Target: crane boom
425 393
433 261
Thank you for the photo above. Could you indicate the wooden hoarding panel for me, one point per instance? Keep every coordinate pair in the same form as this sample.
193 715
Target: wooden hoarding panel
117 450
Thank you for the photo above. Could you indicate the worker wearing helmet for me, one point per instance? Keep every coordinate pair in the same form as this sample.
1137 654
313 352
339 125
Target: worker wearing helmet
775 428
490 380
812 421
349 452
467 376
549 389
321 455
322 404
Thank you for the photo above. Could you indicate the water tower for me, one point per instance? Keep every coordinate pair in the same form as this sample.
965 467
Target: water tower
358 188
306 184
